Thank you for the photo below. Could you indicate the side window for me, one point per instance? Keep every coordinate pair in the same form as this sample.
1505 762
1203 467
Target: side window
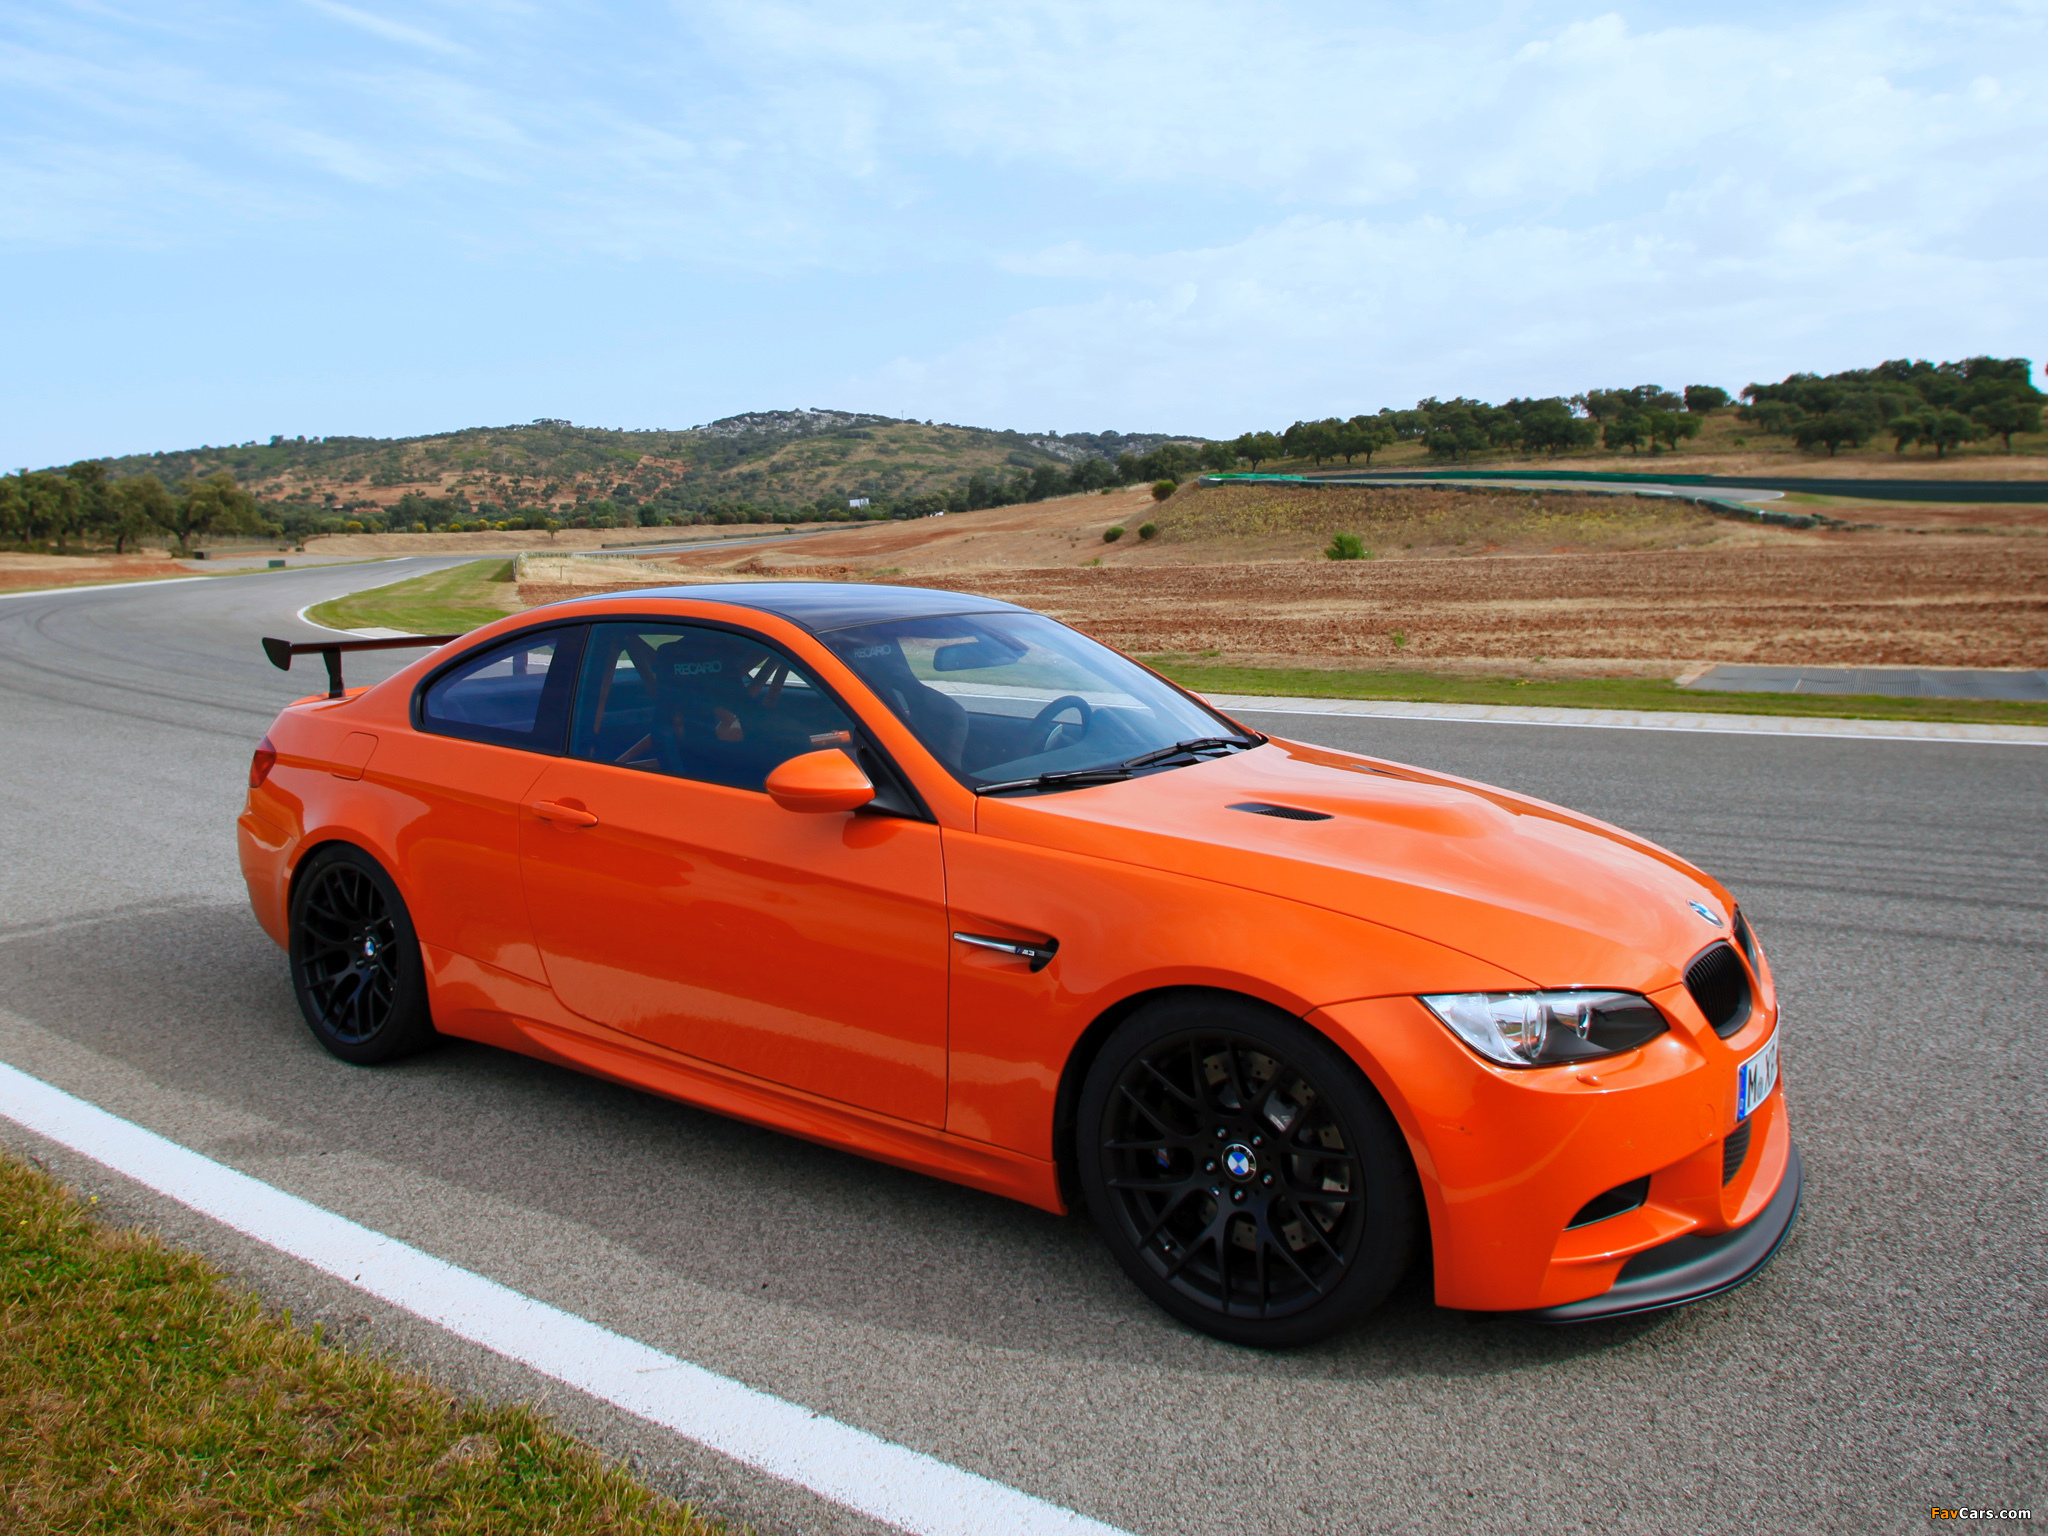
513 695
698 703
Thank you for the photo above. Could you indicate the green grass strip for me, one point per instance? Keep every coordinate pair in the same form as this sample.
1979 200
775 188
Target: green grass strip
140 1392
1628 693
448 602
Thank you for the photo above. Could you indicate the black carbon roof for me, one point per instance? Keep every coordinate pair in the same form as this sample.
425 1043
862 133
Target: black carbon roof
823 605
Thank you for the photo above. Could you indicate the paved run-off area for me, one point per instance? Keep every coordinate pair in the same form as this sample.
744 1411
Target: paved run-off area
1888 1361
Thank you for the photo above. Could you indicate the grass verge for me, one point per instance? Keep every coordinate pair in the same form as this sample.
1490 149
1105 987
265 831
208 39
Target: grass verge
448 602
138 1392
1581 693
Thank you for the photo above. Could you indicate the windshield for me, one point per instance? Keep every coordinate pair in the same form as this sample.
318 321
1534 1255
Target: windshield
1004 698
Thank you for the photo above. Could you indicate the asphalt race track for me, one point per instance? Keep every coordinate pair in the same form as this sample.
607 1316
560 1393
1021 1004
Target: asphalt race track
1890 1360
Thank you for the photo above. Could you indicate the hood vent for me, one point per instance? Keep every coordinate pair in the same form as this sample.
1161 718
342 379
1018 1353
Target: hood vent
1284 812
1720 986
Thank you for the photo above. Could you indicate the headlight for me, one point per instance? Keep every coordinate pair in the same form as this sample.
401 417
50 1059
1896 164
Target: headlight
1536 1029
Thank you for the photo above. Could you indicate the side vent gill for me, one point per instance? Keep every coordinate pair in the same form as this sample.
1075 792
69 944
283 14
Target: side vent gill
1284 812
1617 1201
1735 1151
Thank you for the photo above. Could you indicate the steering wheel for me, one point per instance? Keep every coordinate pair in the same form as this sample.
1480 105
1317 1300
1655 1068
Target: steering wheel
1039 734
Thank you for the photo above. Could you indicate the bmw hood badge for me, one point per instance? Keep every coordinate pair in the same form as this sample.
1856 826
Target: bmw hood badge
1706 911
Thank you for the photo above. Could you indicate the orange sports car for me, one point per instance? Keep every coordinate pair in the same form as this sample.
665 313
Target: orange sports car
940 881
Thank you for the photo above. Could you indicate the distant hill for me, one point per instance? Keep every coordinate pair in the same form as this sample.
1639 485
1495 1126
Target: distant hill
758 460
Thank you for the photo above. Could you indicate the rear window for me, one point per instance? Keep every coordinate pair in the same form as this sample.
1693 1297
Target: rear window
512 695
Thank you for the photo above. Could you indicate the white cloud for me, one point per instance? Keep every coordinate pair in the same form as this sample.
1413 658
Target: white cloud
380 26
1203 212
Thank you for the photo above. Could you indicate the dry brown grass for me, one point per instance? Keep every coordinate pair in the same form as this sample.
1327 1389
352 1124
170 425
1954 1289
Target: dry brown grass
1280 521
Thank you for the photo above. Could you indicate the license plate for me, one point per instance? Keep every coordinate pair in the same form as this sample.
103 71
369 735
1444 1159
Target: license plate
1755 1079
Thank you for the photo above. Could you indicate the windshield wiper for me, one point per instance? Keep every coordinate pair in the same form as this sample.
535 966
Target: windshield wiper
1059 780
1181 748
1112 772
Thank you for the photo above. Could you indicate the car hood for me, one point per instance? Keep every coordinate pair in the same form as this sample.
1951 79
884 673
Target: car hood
1557 898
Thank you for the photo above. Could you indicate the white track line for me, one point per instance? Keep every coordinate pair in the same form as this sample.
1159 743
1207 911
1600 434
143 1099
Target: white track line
106 586
848 1466
1639 720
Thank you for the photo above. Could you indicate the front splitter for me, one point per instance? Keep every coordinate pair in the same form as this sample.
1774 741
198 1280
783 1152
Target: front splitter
1688 1269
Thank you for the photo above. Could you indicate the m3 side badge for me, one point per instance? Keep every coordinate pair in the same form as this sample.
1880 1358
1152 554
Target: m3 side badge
1705 911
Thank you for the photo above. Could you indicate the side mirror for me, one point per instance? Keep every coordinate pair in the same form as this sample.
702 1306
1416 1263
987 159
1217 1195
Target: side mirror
820 781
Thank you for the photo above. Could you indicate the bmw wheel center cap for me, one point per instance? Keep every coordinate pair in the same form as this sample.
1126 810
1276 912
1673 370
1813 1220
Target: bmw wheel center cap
1239 1161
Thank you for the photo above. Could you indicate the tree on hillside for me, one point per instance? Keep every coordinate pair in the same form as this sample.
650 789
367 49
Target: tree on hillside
1835 429
213 505
42 507
2005 416
1905 431
141 508
1605 405
1366 435
1093 474
1702 398
1624 432
1221 457
1948 429
1549 425
1257 447
1460 427
95 505
1312 440
1665 428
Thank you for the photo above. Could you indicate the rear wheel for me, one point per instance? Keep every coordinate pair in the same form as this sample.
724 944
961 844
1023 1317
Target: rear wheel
356 961
1244 1171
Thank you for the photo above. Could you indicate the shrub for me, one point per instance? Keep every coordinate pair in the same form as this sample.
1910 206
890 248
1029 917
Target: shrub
1161 489
1347 546
1111 535
1149 531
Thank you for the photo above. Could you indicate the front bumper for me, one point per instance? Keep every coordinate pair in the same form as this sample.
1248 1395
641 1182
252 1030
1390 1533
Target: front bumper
1692 1268
1507 1158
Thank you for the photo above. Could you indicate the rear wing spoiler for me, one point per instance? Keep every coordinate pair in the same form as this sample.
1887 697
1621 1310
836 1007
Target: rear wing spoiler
281 652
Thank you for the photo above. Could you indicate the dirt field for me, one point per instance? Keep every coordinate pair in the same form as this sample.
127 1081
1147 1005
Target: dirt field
1481 581
515 540
22 572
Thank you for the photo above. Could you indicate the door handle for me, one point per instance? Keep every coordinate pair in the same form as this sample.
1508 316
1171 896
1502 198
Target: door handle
567 815
1040 955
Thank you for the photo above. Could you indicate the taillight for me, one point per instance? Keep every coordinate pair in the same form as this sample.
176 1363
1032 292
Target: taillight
261 763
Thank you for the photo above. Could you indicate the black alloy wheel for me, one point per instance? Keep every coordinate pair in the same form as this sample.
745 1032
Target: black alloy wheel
1244 1171
356 961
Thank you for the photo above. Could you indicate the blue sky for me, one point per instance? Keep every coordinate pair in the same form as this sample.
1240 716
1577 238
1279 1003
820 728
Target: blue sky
221 221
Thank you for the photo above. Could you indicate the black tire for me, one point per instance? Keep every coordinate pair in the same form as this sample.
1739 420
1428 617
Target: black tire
1204 1125
356 961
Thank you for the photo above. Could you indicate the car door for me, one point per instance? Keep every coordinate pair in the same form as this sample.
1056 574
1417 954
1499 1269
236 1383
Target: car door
486 727
675 901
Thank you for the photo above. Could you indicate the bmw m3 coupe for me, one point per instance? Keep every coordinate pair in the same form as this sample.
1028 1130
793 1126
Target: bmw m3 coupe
940 881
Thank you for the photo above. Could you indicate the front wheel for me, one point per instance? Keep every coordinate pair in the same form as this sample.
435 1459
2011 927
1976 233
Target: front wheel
356 961
1244 1171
